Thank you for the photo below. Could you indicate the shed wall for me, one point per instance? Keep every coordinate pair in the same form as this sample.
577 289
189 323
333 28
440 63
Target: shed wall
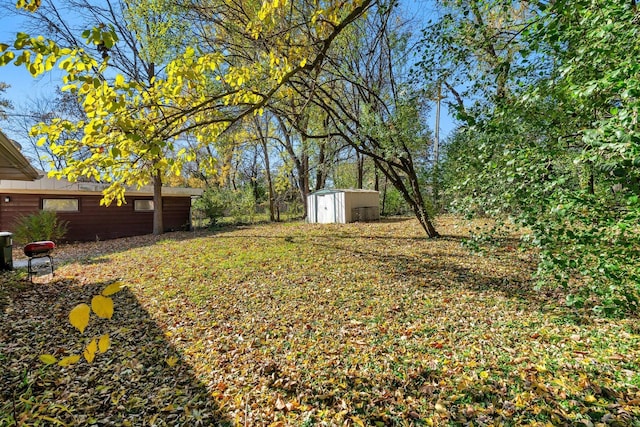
338 206
361 200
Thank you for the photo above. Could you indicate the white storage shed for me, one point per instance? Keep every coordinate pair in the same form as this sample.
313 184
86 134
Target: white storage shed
343 206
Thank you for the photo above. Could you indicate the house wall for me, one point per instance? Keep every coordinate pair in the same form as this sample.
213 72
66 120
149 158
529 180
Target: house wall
93 221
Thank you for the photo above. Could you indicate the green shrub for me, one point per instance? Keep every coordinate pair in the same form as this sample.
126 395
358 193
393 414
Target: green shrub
393 203
44 225
241 205
237 206
211 205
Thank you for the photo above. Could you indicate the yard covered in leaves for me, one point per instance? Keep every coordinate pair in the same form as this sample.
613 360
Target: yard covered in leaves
306 324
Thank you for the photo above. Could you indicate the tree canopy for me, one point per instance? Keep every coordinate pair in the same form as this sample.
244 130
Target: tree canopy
555 144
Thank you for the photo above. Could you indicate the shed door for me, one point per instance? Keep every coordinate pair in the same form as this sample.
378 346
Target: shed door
326 209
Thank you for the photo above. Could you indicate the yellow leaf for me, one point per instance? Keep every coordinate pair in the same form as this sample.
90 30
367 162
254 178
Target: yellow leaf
104 343
90 350
112 289
303 62
48 359
69 360
590 399
102 306
119 80
357 421
171 361
79 316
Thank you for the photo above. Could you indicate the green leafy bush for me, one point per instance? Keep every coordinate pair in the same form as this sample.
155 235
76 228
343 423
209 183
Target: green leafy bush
217 203
211 205
44 225
393 203
241 205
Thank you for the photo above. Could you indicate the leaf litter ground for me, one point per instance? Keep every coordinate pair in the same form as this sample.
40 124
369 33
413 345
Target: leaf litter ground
305 324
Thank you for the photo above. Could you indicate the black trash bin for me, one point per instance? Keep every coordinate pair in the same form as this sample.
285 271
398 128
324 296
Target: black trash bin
6 248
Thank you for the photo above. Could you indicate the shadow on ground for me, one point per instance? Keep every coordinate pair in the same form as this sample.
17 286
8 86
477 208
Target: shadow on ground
132 383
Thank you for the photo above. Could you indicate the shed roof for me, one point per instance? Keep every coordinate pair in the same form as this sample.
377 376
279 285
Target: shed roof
13 165
343 190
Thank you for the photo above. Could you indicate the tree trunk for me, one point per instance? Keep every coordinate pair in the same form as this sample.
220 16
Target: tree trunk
360 162
411 194
158 226
425 222
321 171
301 162
420 208
267 167
376 185
384 197
303 180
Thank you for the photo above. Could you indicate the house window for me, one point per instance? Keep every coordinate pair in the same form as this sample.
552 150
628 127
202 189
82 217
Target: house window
60 205
143 205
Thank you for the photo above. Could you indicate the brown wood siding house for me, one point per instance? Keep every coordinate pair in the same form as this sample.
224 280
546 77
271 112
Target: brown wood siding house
79 204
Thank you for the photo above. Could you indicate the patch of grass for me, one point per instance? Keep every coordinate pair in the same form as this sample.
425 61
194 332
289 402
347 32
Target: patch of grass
307 324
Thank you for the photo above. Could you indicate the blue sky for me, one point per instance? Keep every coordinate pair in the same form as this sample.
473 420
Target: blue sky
24 87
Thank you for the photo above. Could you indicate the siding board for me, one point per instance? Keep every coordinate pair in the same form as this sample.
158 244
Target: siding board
95 222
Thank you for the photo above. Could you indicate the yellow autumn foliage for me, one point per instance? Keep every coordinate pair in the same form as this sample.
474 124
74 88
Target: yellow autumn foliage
113 288
104 343
102 306
48 359
90 351
79 316
69 360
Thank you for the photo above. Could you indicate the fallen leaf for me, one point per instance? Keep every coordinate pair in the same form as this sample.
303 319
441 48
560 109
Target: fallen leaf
104 343
69 360
48 359
112 289
440 408
90 351
357 421
79 317
102 306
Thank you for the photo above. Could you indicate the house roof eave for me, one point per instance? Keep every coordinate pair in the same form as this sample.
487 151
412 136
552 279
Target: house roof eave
13 164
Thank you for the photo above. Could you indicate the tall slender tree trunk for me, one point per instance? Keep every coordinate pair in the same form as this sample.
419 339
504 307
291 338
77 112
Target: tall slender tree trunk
360 162
267 167
158 225
303 180
435 179
321 171
376 185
